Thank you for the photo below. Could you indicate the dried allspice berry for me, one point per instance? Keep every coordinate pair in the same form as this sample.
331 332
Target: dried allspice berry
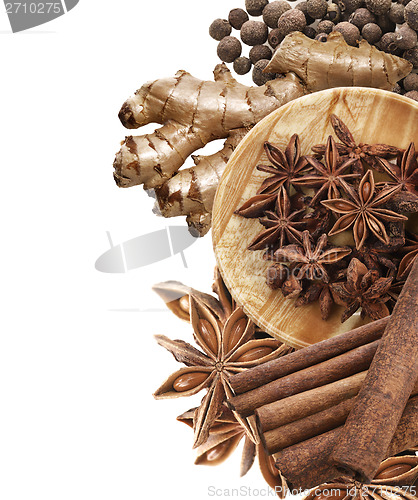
379 7
303 6
325 27
411 14
220 28
350 32
229 49
260 52
310 32
273 11
361 17
411 82
413 94
349 6
317 9
237 17
333 13
372 33
275 38
411 55
406 37
397 13
388 44
386 25
292 20
255 7
260 78
242 65
254 33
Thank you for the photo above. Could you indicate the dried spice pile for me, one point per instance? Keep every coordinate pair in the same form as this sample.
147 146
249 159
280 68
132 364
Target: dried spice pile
231 347
263 25
332 231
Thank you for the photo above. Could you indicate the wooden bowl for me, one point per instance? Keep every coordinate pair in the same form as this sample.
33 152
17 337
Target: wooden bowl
373 116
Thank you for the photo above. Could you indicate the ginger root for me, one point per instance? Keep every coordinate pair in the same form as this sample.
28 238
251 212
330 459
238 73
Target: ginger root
192 113
336 64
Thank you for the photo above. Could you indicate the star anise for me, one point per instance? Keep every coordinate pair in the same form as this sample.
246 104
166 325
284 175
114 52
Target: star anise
411 249
281 225
357 152
285 168
224 437
317 291
228 348
364 211
394 480
328 177
405 172
380 255
364 288
311 259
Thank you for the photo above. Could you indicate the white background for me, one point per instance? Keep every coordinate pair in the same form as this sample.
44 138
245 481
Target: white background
77 416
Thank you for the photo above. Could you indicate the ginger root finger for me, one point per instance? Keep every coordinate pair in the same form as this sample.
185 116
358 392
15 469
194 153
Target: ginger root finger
193 112
336 64
192 190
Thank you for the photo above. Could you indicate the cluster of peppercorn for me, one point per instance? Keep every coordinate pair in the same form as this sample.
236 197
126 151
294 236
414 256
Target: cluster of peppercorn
390 26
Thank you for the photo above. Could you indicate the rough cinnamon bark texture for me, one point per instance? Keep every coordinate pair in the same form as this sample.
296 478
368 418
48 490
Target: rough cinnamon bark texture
381 401
342 366
308 403
316 353
307 464
336 64
192 113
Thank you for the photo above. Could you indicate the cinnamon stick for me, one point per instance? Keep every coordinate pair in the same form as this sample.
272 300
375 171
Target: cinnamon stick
312 355
299 406
307 464
306 428
342 366
312 425
375 417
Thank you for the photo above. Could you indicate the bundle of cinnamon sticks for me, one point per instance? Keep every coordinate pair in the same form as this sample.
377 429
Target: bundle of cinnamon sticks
341 406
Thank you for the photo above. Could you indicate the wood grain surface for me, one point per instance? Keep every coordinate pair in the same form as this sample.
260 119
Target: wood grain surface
373 116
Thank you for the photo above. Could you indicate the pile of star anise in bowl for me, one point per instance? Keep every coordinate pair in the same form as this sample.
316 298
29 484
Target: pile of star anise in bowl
338 223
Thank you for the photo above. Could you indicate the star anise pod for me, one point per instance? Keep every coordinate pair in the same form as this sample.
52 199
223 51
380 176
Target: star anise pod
364 211
317 291
224 437
311 258
394 480
357 152
405 172
328 177
285 167
380 255
411 249
281 225
228 348
364 288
